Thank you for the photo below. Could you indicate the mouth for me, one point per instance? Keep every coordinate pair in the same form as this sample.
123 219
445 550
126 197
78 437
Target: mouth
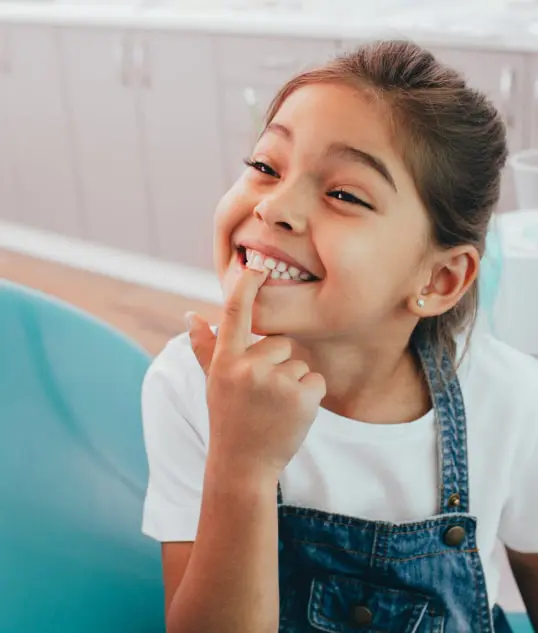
280 269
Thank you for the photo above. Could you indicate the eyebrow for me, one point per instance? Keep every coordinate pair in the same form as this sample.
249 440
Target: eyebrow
344 151
360 156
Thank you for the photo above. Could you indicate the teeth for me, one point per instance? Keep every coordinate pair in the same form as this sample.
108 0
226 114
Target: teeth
257 262
279 269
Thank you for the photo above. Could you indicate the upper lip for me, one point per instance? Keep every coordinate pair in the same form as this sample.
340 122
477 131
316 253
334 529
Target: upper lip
273 251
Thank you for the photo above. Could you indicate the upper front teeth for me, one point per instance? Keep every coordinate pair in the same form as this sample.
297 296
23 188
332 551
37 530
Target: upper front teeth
279 269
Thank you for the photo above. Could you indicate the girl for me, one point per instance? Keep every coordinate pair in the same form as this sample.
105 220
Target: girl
350 468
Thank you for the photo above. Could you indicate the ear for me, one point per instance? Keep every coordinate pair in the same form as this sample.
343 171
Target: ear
452 274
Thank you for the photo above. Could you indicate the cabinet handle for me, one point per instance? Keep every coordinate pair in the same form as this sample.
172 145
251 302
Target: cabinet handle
142 63
506 86
278 63
124 60
251 100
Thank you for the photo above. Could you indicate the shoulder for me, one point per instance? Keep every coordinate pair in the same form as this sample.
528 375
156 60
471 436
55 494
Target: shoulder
176 375
503 368
500 386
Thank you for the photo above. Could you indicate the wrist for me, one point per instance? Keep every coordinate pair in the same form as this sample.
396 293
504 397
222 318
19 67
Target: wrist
231 473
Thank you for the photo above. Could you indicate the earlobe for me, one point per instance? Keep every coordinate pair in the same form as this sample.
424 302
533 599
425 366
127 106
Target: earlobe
419 306
451 277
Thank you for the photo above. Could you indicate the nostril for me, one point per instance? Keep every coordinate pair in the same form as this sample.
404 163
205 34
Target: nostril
285 226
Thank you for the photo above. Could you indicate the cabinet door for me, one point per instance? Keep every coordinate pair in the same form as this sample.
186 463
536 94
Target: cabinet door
179 101
502 76
107 137
36 113
8 200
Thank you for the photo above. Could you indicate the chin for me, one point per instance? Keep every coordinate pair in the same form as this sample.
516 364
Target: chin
268 325
264 325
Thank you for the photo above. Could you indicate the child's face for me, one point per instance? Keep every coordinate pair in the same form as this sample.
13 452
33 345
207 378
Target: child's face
336 199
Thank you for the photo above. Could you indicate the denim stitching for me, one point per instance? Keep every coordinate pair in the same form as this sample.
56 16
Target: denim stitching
383 558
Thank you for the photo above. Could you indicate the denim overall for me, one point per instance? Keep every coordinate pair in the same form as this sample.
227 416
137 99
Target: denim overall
345 575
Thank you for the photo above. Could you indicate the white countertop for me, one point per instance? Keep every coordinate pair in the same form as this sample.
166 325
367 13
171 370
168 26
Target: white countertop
450 27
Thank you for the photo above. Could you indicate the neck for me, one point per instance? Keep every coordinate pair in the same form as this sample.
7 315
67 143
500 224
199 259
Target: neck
381 382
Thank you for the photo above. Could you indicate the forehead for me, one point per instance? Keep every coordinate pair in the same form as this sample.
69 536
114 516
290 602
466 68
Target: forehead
322 114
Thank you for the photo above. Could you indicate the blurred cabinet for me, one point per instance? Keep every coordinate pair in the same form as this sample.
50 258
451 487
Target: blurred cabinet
179 101
37 158
101 89
8 199
146 135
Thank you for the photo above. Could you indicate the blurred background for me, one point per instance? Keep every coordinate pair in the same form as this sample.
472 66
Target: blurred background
123 122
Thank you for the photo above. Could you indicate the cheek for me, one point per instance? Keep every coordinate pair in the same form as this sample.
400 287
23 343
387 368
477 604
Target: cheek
226 209
231 211
366 265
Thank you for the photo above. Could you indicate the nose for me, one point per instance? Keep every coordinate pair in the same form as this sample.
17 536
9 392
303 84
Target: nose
285 211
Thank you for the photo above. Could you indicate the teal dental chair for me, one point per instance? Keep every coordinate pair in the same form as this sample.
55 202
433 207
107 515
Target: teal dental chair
73 474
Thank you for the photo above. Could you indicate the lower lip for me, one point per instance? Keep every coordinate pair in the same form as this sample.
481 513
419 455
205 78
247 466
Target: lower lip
277 282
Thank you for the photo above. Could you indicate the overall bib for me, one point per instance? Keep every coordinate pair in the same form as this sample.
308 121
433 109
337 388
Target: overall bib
345 575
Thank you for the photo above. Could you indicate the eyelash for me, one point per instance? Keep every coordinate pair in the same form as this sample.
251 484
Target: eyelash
263 168
339 194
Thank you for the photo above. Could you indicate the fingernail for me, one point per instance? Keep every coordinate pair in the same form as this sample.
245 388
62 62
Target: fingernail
189 319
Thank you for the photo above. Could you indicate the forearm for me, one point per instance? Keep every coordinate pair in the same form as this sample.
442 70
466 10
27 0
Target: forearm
530 593
528 587
231 582
525 569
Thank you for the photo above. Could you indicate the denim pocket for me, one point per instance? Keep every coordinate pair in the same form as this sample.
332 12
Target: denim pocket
339 604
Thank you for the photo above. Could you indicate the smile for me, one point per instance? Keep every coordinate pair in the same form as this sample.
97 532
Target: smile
281 270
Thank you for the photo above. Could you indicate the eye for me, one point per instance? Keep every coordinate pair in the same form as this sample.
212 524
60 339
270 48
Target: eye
345 196
263 168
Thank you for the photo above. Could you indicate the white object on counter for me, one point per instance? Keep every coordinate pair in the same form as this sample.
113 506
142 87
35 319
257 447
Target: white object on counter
516 312
525 167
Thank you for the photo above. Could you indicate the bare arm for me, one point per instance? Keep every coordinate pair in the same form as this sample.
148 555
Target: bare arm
230 584
261 404
525 569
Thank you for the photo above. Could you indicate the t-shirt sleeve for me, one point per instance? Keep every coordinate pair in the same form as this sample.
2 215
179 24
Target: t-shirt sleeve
176 456
519 521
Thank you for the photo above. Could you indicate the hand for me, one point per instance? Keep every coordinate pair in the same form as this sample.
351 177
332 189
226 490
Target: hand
261 402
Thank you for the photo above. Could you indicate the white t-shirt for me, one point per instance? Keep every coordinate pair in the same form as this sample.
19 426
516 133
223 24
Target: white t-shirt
372 471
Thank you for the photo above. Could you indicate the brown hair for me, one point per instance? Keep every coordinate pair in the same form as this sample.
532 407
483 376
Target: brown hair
451 139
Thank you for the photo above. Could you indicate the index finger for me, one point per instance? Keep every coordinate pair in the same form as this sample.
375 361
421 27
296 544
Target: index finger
234 333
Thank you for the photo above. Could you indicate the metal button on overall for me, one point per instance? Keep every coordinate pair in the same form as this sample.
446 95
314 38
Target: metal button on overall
455 535
454 501
361 615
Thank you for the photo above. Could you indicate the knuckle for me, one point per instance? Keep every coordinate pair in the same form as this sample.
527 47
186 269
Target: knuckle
284 343
250 372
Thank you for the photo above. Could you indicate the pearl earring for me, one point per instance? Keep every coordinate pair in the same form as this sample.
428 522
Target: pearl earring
420 302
